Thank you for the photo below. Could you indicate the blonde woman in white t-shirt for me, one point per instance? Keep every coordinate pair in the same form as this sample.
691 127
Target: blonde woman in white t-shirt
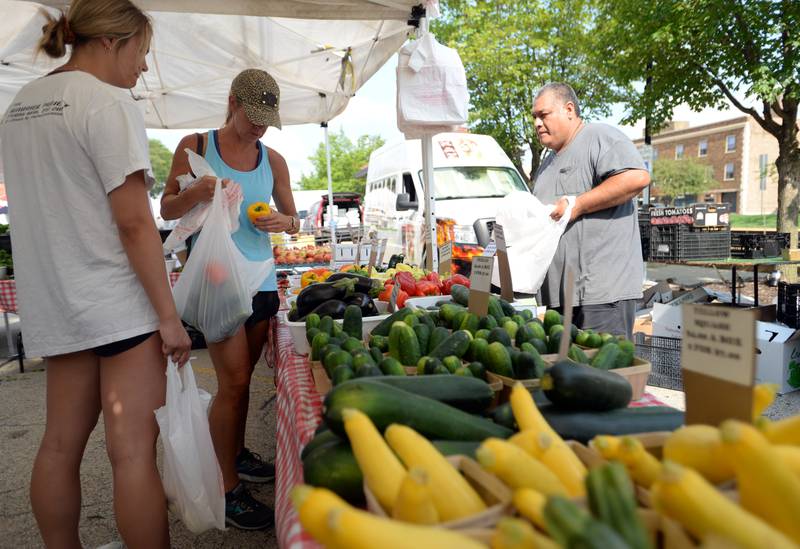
93 289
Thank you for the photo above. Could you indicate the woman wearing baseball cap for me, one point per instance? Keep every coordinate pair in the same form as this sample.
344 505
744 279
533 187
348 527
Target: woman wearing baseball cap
236 153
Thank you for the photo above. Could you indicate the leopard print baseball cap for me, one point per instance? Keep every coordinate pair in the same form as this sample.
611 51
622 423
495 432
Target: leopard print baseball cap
260 96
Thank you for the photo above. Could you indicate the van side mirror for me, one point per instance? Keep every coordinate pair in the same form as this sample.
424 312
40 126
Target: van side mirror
404 202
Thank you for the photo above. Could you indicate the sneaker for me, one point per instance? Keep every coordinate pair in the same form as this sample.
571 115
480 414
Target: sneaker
252 468
245 512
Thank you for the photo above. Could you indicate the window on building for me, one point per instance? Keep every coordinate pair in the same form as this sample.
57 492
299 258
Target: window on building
729 171
762 172
730 143
702 147
678 151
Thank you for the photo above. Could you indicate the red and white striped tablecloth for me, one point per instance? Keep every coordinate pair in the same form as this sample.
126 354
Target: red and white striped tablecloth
8 293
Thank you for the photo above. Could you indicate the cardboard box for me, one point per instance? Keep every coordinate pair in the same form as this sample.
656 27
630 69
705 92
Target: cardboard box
778 356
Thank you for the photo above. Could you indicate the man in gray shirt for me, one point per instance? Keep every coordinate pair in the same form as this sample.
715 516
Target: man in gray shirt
600 167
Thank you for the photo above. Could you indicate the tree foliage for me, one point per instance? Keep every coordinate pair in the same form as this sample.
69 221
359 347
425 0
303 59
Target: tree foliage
347 158
161 160
703 52
510 50
678 177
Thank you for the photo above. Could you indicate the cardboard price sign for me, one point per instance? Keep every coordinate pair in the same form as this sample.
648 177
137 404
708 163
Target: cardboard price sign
373 255
382 251
480 284
445 257
718 360
506 284
393 296
490 249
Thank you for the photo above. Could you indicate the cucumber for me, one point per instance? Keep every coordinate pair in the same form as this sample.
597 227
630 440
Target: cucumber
625 358
517 318
352 344
498 360
538 345
576 354
571 526
411 320
452 363
581 387
496 310
526 314
385 404
488 322
456 344
504 415
427 365
368 370
463 371
383 328
607 358
341 374
511 328
554 341
612 500
337 358
524 335
460 294
448 312
376 354
391 367
310 333
351 322
477 350
470 323
584 426
501 335
529 365
362 359
312 321
478 370
438 335
320 439
333 466
426 320
326 325
483 333
508 309
403 344
381 342
551 318
318 343
440 369
423 333
458 319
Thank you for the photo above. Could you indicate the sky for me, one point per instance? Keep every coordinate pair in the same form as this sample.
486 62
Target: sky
372 111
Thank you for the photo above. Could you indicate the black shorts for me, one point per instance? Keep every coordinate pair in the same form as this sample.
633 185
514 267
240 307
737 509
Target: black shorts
265 306
117 347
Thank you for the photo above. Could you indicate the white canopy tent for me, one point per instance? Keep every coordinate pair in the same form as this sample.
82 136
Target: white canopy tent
319 51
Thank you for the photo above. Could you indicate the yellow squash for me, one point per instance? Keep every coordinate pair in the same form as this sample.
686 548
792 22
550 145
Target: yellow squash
767 486
784 431
414 500
530 505
763 397
556 457
643 467
382 471
606 445
684 495
313 506
512 533
354 529
518 469
453 496
700 447
790 456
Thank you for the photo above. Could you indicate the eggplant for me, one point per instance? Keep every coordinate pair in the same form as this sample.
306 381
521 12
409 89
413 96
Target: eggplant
363 284
333 308
314 295
364 302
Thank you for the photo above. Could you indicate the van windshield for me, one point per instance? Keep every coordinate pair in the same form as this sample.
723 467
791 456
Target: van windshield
475 182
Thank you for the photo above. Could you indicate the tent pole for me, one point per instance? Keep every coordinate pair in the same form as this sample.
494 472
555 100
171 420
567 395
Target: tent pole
430 240
331 222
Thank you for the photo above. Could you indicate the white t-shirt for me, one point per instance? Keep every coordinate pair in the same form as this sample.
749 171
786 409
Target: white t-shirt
68 140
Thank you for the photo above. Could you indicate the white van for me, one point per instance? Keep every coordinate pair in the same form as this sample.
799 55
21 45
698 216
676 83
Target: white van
471 175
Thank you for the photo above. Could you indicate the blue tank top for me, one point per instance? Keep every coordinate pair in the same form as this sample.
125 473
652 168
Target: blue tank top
256 186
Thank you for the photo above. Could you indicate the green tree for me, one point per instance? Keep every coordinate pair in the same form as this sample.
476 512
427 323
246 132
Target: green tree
161 160
510 50
347 158
678 177
703 52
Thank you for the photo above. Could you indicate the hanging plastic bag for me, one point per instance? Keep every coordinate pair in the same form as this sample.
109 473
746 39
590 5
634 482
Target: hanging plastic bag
192 478
214 292
531 239
192 220
432 95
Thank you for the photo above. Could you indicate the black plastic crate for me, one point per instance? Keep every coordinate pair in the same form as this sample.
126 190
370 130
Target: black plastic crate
644 233
679 242
756 245
789 304
664 354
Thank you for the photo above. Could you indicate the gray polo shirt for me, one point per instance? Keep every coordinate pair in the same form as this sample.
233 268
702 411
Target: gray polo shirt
603 248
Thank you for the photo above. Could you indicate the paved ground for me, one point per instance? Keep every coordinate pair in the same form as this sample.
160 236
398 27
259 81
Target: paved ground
22 398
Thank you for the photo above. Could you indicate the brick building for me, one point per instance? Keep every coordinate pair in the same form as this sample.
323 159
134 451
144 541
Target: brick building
741 155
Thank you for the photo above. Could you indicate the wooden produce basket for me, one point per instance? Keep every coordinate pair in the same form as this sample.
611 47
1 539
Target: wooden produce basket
494 493
507 383
322 383
636 374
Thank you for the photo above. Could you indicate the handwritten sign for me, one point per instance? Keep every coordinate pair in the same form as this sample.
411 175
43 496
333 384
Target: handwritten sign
499 238
446 251
481 277
490 249
393 296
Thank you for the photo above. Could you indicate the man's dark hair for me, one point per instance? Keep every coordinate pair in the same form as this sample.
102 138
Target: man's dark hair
563 92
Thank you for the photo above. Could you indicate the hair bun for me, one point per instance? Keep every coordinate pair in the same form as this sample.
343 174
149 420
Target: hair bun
54 36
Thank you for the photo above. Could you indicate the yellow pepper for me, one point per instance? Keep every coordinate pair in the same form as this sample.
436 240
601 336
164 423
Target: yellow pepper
256 210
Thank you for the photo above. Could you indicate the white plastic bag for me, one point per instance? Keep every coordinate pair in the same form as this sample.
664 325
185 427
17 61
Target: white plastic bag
192 220
531 239
432 95
192 477
215 290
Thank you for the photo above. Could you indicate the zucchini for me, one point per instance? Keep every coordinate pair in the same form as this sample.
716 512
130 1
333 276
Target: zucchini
456 344
456 447
438 335
460 294
320 439
383 328
584 426
333 466
423 333
391 367
351 322
403 344
607 358
385 404
581 387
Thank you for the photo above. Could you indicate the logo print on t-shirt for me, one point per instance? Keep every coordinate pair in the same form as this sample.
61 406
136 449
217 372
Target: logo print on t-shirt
19 112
